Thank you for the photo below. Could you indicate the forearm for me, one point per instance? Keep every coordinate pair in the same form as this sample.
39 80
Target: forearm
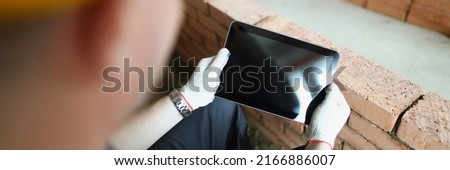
146 127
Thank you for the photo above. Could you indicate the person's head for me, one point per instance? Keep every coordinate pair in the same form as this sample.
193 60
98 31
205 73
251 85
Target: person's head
53 54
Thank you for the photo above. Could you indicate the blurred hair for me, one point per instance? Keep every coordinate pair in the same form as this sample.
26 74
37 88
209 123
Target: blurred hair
22 45
18 10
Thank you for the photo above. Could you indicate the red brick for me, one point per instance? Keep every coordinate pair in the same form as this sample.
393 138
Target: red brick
288 143
212 47
356 140
184 43
182 40
430 14
429 25
399 4
210 37
246 11
275 124
220 16
181 50
212 25
347 146
358 2
295 132
203 42
273 138
194 29
193 23
296 137
371 132
251 113
201 5
190 11
299 127
427 124
183 36
373 91
337 144
221 40
275 23
184 24
200 51
272 122
252 119
381 7
286 27
441 5
185 51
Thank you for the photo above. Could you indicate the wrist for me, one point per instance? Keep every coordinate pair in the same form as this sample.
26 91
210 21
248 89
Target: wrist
187 103
317 141
324 138
196 98
315 133
180 103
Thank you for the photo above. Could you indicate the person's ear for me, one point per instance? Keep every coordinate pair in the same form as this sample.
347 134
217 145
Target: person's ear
142 30
97 30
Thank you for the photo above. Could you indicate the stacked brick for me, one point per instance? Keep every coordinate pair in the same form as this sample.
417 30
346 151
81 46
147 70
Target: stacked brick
426 124
431 14
388 112
206 24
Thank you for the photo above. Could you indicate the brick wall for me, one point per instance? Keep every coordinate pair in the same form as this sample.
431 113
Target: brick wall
388 112
431 14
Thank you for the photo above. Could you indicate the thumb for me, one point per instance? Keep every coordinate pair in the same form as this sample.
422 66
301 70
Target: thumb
221 59
332 88
333 92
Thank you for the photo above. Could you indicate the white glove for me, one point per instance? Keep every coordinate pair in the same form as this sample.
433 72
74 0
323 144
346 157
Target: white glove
201 87
329 117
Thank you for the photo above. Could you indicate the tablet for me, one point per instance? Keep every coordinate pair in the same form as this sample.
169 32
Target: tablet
275 73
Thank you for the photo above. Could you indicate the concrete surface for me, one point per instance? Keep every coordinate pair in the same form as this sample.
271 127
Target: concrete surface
417 54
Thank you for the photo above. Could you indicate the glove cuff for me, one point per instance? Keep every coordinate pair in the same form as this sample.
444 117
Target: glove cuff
319 141
185 96
322 137
187 103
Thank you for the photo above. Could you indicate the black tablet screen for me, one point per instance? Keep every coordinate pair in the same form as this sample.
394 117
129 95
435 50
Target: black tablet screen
274 73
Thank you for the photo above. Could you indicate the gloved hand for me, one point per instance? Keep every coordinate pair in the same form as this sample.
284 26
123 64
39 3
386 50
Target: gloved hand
329 117
201 87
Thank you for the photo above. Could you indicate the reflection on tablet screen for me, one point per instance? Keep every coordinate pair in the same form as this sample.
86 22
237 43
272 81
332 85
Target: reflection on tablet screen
274 73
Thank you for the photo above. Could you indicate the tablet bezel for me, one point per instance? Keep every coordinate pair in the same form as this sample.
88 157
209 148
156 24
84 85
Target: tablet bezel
281 38
238 26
